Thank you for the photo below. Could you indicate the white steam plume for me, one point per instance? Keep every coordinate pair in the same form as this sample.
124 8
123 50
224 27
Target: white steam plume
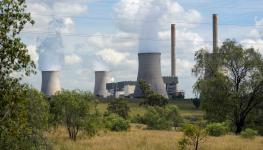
50 49
148 35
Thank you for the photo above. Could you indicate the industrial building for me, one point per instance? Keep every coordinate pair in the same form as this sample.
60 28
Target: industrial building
150 71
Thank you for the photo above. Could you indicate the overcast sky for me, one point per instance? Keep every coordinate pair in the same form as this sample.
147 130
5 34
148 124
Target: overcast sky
104 34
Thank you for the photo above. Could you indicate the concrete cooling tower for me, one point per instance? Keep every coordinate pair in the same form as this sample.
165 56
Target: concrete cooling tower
150 71
101 79
50 82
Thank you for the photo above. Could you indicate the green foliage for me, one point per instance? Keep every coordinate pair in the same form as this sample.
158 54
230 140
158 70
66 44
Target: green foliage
114 122
194 135
14 55
120 107
160 118
77 111
249 133
196 102
24 119
229 83
152 98
216 129
23 112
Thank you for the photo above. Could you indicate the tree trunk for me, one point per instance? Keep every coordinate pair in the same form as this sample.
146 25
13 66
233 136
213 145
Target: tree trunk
196 144
239 126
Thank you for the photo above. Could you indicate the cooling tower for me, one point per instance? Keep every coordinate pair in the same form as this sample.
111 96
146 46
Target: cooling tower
50 82
150 71
101 79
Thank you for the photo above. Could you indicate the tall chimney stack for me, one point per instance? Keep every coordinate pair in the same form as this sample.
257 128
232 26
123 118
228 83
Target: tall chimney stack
50 82
215 33
173 54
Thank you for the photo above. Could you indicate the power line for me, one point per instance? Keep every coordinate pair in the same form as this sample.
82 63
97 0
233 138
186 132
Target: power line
132 38
147 20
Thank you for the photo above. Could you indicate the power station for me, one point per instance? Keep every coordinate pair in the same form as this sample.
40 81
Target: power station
149 70
50 82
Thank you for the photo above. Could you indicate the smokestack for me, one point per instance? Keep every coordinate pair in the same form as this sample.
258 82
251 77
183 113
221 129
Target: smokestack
173 54
215 33
150 72
101 79
50 82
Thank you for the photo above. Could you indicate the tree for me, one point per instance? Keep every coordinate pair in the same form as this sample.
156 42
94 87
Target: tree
229 83
194 135
77 111
21 125
120 107
152 98
14 55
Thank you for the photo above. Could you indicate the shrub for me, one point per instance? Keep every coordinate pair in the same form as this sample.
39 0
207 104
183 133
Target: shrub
114 122
75 110
216 129
249 133
194 135
196 102
154 118
173 114
120 107
160 118
24 125
151 98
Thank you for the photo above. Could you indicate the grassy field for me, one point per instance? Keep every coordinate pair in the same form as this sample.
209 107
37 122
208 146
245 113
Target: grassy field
139 139
187 109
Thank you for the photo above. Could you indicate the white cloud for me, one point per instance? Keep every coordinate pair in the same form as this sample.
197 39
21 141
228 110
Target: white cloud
255 37
71 9
32 50
72 59
120 41
111 56
131 14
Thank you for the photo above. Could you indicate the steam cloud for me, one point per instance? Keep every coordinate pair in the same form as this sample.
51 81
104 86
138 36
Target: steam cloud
50 49
149 29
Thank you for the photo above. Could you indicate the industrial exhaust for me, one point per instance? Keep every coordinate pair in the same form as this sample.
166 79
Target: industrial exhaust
150 72
101 79
50 82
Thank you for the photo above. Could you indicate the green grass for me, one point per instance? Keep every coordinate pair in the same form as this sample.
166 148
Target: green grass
187 109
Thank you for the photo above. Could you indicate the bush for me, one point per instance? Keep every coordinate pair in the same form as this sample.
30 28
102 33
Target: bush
194 135
24 125
249 133
160 118
196 102
216 129
151 98
120 107
114 122
75 110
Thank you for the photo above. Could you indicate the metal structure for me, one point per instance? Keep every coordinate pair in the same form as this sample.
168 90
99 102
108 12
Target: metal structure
50 82
215 33
150 71
101 79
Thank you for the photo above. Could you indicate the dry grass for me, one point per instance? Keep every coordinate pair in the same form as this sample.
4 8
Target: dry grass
139 139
